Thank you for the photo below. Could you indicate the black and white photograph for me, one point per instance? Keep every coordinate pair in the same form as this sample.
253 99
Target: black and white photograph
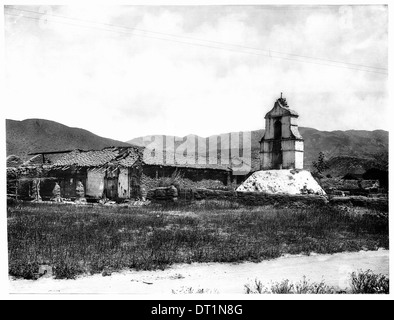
195 150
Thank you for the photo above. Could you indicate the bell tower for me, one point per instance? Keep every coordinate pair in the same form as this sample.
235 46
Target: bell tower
282 146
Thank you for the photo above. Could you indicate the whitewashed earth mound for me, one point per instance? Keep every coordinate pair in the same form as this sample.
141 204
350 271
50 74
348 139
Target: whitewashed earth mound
282 181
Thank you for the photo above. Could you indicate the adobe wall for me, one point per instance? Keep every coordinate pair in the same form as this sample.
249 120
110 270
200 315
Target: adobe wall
156 176
246 198
23 178
262 199
94 186
124 183
361 201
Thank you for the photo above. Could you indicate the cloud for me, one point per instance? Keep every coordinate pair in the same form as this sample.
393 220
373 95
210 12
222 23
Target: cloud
124 85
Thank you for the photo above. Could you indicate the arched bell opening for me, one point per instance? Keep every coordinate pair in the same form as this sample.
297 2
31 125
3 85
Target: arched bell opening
278 129
277 147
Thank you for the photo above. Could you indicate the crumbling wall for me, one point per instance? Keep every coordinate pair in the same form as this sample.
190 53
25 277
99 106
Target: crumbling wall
67 179
352 186
95 183
246 198
20 181
152 183
262 199
124 183
161 176
360 201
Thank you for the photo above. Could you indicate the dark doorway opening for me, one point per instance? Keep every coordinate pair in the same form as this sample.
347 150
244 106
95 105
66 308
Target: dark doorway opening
277 147
278 129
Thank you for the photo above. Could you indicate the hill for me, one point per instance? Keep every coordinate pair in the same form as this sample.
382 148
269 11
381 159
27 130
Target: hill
350 150
38 135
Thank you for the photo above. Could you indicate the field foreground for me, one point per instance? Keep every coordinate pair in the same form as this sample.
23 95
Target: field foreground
77 240
221 278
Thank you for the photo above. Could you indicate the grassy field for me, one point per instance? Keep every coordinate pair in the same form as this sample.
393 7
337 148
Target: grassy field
78 240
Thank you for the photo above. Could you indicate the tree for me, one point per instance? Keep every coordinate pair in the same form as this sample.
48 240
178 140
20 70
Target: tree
321 164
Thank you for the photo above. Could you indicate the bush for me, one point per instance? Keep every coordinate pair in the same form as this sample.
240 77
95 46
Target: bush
362 282
305 287
25 270
367 282
321 164
286 287
67 270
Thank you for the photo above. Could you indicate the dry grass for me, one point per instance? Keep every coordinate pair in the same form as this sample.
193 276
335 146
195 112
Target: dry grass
286 287
367 282
91 239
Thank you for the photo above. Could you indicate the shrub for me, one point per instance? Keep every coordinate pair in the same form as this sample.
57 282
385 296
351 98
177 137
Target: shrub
367 282
25 270
305 287
67 270
321 164
362 282
256 288
286 287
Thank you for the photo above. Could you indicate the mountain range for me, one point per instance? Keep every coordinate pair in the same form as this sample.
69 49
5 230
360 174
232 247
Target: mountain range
38 135
355 148
347 151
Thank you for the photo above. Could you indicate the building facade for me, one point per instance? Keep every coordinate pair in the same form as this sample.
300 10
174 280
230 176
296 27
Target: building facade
115 173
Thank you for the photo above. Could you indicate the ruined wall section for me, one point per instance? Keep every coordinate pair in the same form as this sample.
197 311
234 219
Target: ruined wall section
95 183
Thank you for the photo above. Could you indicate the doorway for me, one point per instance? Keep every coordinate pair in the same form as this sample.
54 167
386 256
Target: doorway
277 157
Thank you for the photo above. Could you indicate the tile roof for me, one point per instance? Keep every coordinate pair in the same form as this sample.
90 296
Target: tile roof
121 156
128 156
34 161
127 159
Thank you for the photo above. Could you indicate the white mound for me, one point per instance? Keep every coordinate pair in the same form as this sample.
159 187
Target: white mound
282 181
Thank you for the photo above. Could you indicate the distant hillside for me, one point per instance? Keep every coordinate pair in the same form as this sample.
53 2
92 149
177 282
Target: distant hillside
352 143
349 151
352 149
35 135
340 166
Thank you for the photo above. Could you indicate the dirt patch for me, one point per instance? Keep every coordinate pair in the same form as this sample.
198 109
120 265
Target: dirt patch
222 278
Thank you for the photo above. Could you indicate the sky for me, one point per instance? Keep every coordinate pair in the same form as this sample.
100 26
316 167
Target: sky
128 71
